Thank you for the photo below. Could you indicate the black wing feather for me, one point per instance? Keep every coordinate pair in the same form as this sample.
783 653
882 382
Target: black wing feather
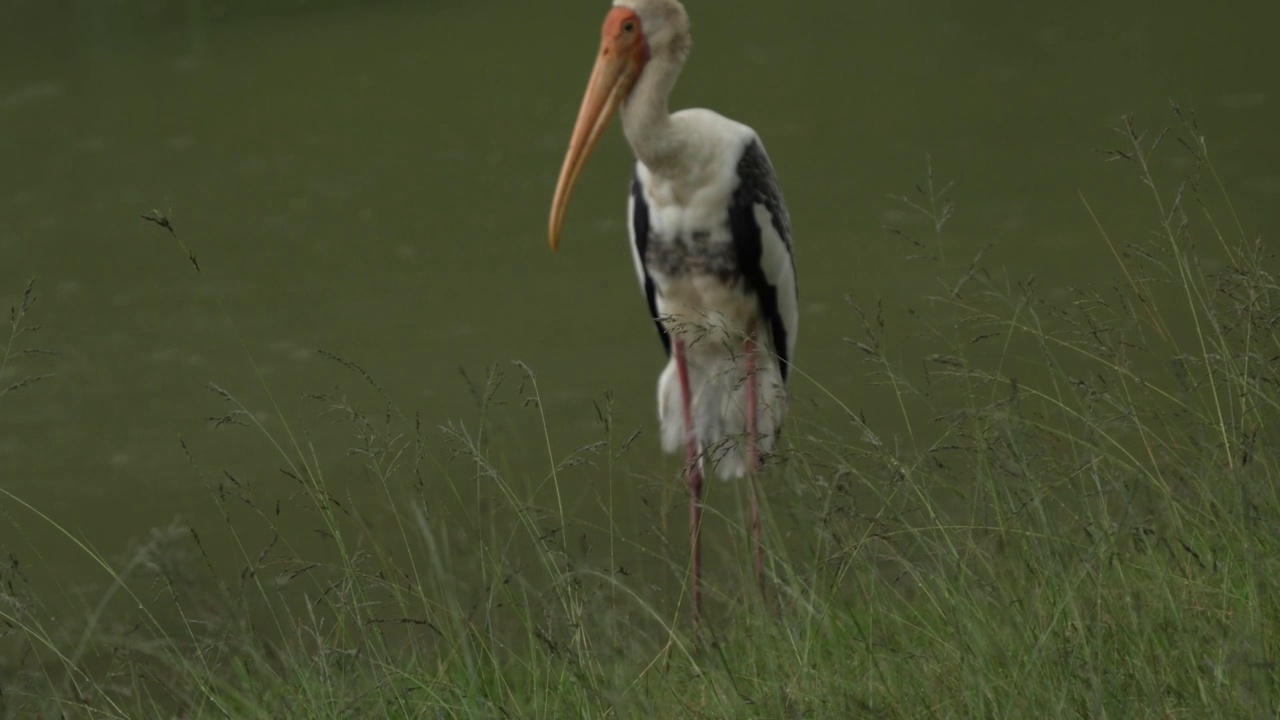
757 185
640 225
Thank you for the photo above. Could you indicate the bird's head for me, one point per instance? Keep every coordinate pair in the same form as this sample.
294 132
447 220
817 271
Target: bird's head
634 33
664 23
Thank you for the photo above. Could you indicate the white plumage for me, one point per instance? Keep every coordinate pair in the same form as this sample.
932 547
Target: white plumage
719 407
710 315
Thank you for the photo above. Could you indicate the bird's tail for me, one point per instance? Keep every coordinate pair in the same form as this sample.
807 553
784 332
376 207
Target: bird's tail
719 409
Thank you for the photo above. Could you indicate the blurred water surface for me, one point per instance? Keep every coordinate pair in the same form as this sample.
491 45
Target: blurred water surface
372 179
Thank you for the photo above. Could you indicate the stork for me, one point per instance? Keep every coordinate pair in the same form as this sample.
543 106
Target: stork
711 241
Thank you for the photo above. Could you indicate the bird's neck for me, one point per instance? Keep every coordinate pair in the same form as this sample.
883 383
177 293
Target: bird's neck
646 120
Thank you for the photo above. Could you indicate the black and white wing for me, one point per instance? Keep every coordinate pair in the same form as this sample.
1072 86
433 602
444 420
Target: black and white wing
761 232
638 214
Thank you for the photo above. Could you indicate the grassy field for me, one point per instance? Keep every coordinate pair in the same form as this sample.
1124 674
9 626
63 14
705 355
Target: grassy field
1081 520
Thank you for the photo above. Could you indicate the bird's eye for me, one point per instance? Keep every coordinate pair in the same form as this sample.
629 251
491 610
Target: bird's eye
628 26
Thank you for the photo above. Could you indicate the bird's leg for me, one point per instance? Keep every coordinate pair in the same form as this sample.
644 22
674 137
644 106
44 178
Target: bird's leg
693 479
753 459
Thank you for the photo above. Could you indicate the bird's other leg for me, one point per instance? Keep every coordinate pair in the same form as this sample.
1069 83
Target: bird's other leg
753 458
693 479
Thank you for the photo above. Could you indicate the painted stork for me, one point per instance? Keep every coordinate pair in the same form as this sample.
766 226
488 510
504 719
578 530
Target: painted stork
711 240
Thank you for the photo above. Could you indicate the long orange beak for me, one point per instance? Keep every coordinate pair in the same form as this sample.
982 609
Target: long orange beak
615 72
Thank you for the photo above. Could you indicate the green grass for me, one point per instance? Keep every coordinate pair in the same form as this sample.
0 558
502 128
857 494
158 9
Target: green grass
1080 519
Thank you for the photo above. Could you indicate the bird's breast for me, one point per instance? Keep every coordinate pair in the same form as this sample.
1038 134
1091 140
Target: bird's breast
669 256
699 286
688 228
689 252
689 247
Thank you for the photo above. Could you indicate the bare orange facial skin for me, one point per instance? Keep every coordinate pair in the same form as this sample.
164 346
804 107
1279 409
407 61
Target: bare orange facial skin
622 34
623 54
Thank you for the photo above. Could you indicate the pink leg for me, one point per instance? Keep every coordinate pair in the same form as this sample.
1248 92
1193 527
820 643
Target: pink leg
753 460
693 479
